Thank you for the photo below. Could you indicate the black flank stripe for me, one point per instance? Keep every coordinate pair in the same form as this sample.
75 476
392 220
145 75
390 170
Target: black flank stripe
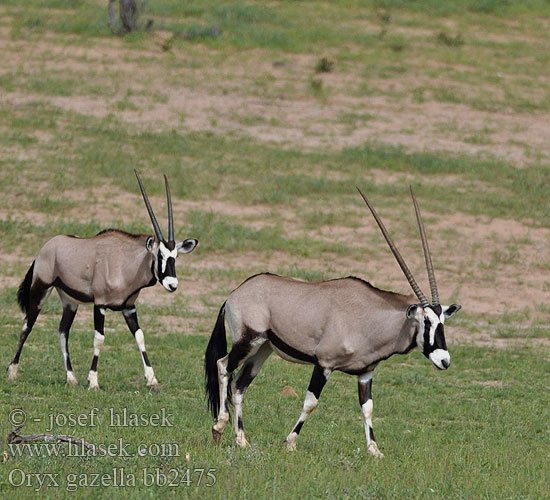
289 350
75 294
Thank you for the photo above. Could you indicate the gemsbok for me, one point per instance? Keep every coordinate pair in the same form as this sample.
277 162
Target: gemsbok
342 324
109 270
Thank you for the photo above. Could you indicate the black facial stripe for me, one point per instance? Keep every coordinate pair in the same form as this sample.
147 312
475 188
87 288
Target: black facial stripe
427 326
439 342
169 270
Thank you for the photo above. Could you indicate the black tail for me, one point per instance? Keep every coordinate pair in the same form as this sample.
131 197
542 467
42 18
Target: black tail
24 292
217 349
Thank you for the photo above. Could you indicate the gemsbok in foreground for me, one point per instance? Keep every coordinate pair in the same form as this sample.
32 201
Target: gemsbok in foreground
342 324
108 270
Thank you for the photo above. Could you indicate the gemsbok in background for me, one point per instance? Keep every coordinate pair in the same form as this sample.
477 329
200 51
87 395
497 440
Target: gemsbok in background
109 270
342 324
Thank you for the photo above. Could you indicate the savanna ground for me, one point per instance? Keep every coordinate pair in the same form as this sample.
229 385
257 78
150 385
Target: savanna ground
263 142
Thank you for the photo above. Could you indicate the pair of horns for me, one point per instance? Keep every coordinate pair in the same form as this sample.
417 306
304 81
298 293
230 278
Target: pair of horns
400 260
156 226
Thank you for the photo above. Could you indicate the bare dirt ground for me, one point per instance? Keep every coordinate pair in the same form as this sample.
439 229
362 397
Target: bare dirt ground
267 99
172 92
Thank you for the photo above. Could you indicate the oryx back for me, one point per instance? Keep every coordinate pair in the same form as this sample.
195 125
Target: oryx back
345 324
107 269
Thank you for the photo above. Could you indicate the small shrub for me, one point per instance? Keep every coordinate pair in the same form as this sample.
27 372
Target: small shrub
324 65
450 41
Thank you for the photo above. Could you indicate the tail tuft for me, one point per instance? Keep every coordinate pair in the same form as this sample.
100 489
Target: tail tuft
24 292
216 349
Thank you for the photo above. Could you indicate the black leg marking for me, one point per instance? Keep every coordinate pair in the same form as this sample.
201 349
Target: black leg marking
99 323
243 379
69 313
364 387
238 352
318 380
298 427
130 315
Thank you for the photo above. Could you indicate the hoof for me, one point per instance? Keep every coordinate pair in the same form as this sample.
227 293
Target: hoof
216 435
241 440
94 388
154 388
71 379
374 451
290 442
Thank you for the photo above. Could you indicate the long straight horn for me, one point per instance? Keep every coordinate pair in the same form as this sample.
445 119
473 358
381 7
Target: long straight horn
170 216
156 226
397 255
427 255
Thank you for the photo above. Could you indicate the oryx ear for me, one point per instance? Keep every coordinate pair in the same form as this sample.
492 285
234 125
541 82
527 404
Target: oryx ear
449 311
412 310
187 245
150 243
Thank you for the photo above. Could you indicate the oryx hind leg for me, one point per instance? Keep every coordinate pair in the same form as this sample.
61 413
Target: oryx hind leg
38 294
130 315
364 384
69 312
99 340
318 380
241 350
240 383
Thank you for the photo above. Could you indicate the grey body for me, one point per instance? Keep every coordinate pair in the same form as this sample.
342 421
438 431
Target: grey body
107 270
344 324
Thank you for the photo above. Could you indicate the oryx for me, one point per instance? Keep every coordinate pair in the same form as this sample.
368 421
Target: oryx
108 270
343 324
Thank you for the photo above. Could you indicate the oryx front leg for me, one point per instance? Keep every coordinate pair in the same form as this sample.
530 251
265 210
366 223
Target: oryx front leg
365 401
130 315
99 339
318 380
69 312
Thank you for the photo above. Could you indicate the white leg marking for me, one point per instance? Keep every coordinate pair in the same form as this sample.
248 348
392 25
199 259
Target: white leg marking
309 405
71 379
240 438
150 377
140 340
366 409
63 345
129 312
92 379
148 372
223 377
99 340
12 371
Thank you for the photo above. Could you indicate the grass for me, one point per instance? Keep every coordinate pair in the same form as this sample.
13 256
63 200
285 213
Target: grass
498 425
